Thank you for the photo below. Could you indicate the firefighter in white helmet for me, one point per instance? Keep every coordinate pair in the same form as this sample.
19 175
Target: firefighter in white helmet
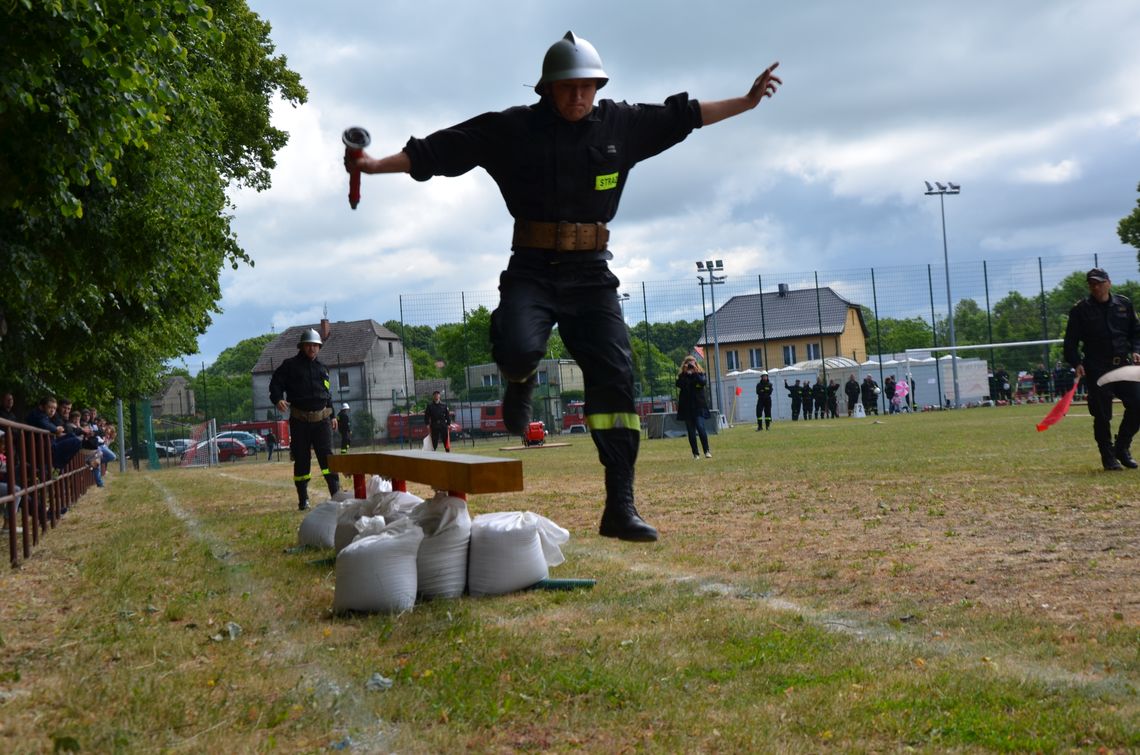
300 386
561 164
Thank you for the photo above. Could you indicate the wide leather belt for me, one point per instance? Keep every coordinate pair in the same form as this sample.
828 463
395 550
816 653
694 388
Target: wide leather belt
305 416
560 236
1121 359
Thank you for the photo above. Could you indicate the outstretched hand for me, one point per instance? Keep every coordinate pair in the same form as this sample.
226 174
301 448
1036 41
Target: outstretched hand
764 86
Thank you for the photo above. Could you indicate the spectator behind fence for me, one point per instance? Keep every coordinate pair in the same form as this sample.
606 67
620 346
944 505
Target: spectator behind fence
63 446
8 407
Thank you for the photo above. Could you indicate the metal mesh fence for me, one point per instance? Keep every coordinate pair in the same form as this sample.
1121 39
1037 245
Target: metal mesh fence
993 301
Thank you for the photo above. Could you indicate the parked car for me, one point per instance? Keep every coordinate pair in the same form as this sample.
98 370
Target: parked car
164 450
253 443
180 444
228 449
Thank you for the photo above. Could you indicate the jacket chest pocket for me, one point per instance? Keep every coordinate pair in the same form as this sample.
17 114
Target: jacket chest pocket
605 163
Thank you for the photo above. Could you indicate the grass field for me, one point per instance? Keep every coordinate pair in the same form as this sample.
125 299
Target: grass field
939 582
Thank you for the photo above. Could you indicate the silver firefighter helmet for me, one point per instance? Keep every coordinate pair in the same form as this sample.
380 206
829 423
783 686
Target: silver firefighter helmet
310 336
571 58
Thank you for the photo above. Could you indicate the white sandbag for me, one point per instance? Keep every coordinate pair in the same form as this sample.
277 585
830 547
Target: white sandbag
378 572
377 484
394 504
427 443
345 531
512 550
442 561
369 525
318 528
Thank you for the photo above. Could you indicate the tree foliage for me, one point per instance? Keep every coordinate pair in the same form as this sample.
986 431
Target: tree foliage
1129 228
121 127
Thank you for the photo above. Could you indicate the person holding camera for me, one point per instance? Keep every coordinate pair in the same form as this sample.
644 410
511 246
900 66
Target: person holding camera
692 406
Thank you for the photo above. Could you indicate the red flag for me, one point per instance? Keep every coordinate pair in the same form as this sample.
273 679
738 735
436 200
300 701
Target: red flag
739 390
1058 411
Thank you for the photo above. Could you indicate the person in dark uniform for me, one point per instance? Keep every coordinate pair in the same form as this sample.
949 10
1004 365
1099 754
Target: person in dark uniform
437 416
344 427
1041 383
806 403
819 398
851 389
270 446
764 403
561 165
795 393
869 392
1102 334
833 399
1063 378
692 405
1001 380
300 386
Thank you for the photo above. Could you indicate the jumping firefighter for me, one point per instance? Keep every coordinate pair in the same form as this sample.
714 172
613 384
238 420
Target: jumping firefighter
300 386
561 165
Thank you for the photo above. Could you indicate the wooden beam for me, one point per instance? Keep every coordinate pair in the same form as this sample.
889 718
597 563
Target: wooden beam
459 472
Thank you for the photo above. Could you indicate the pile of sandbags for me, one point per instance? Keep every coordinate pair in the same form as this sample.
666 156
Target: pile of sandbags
394 547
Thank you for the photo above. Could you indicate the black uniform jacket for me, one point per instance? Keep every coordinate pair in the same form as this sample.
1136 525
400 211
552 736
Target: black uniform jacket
303 381
437 415
1107 330
764 388
550 169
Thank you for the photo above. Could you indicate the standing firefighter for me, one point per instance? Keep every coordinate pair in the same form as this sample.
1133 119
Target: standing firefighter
561 165
300 386
344 427
1101 335
763 402
437 416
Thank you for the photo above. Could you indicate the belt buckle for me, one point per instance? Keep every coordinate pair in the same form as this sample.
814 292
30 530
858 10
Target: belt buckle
1115 361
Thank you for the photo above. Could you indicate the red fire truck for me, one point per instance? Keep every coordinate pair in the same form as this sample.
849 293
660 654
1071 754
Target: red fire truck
574 419
278 427
400 428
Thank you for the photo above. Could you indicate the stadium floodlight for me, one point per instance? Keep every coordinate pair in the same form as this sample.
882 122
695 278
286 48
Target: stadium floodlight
942 191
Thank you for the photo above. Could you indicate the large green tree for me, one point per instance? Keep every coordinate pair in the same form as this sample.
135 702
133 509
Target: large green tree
1129 227
122 126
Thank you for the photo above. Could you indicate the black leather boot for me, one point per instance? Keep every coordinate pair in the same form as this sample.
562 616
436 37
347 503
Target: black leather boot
617 450
302 496
622 521
333 481
516 406
1124 454
1109 460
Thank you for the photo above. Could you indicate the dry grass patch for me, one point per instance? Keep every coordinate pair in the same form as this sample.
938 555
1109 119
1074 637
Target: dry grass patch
845 585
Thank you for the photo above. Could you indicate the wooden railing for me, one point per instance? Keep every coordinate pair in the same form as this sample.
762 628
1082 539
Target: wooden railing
35 495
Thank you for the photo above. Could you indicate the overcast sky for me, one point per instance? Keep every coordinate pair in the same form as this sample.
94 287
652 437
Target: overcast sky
1032 106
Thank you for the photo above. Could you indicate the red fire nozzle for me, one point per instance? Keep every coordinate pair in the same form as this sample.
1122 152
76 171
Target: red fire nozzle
355 140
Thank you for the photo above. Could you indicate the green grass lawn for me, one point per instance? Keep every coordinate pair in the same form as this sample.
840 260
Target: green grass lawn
938 582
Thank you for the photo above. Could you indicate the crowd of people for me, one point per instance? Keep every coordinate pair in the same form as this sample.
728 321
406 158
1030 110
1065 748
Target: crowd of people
73 431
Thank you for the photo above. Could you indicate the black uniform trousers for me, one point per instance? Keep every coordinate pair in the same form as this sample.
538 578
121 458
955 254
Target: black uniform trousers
1100 407
580 296
305 437
763 410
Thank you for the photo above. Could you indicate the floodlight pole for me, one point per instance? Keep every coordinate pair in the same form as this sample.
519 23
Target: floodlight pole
942 191
714 280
